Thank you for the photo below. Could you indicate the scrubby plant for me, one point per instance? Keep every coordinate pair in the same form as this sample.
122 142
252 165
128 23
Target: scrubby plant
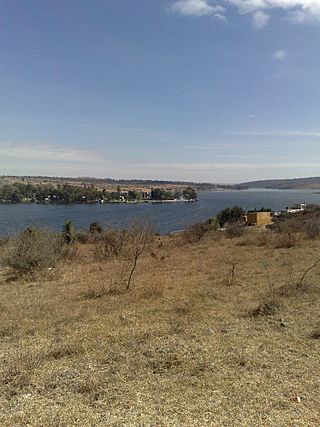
110 244
234 230
34 250
137 238
95 228
312 228
195 232
69 232
285 240
126 247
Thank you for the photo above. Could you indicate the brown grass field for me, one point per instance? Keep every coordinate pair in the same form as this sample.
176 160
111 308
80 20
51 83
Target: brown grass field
187 345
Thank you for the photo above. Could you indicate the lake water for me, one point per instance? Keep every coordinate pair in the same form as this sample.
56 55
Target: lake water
166 217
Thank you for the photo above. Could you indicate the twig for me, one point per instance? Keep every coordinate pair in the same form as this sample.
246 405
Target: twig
300 283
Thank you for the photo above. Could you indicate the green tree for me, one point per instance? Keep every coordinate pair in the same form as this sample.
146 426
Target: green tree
230 215
189 193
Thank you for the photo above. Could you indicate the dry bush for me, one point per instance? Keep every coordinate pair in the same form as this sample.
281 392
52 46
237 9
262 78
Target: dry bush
195 232
285 240
289 224
110 244
234 230
34 250
137 238
268 308
312 228
153 290
84 237
262 238
126 247
4 241
94 290
231 276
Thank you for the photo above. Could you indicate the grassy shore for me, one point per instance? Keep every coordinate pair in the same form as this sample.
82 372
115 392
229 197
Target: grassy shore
220 332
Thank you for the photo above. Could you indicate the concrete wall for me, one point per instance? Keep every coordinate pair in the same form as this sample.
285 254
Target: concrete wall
259 218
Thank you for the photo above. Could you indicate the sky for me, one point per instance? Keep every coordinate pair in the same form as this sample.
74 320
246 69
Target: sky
220 91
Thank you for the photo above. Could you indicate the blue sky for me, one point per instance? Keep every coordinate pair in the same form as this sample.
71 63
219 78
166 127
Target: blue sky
215 91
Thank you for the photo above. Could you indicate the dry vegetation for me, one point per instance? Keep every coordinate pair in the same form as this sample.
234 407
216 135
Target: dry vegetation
220 332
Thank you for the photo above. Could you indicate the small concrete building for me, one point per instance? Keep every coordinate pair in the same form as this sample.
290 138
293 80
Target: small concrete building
258 218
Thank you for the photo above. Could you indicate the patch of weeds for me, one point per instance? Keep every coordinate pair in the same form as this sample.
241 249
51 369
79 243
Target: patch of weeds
268 308
94 291
182 309
63 350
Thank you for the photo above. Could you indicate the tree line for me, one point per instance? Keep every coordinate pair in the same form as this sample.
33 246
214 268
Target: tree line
66 193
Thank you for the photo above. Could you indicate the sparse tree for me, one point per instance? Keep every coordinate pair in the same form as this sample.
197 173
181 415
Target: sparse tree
137 238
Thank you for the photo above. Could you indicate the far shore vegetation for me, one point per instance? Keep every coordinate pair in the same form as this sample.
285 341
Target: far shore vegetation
24 192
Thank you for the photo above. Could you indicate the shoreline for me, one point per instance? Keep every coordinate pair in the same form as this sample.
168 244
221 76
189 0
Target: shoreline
134 202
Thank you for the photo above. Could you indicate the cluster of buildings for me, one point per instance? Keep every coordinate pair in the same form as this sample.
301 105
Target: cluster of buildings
265 218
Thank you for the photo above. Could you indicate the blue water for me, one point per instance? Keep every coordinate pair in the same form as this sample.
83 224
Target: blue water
166 217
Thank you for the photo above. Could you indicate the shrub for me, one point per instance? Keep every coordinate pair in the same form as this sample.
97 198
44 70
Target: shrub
4 240
110 244
195 232
83 237
34 250
234 230
285 240
68 232
266 309
312 228
95 228
137 238
230 215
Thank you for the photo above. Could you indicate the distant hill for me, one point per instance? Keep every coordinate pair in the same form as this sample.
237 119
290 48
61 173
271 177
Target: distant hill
312 183
113 183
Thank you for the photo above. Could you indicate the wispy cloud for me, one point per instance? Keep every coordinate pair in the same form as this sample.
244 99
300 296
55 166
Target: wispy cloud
279 55
199 8
227 166
280 133
47 152
295 11
260 19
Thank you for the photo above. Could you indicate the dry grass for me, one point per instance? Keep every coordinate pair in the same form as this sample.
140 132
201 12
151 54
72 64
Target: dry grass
178 349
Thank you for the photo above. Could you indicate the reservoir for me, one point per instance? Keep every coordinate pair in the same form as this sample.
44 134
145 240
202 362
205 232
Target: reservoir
166 217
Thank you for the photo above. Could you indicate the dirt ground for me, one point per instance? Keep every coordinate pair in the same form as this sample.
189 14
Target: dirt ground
214 333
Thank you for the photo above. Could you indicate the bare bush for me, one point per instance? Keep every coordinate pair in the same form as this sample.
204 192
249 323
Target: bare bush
312 228
136 240
300 282
34 250
195 232
125 247
261 238
230 280
110 244
4 241
285 240
84 237
268 308
234 230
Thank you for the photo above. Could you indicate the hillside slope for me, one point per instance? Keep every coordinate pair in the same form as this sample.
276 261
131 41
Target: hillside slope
181 348
285 184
